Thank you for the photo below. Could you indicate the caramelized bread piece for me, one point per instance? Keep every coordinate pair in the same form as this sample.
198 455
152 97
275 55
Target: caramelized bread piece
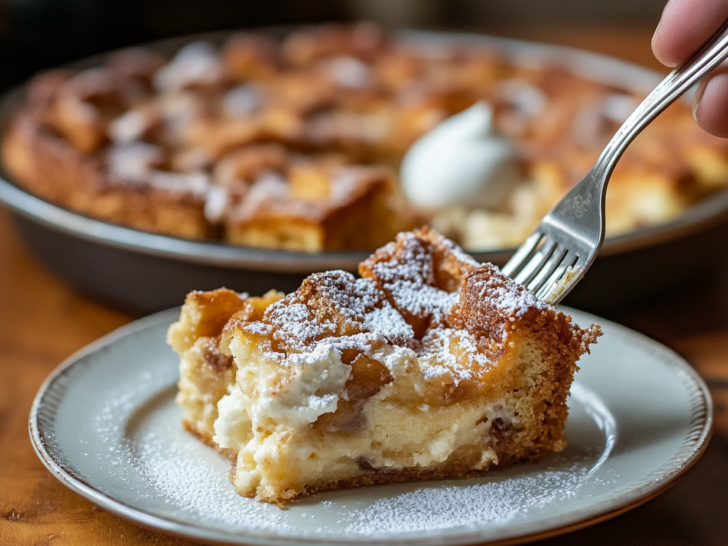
318 209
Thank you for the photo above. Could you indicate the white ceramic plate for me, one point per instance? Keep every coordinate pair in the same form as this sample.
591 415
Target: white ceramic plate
106 425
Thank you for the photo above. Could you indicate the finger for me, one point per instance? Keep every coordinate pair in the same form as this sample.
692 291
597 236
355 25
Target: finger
711 103
685 26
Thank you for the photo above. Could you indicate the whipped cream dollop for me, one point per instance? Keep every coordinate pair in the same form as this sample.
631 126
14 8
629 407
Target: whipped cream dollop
462 161
312 389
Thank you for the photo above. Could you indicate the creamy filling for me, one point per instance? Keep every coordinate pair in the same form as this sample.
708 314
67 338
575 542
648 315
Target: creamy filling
233 426
312 389
395 438
268 413
262 397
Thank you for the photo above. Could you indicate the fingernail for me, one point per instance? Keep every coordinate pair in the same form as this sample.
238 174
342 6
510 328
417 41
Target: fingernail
698 97
655 37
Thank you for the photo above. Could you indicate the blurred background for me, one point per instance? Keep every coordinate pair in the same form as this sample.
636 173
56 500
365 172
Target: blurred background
37 34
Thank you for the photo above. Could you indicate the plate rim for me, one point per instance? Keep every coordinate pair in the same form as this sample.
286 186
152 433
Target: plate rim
701 216
647 487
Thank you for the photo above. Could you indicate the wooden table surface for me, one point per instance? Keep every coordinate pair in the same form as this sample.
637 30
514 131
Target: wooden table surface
42 321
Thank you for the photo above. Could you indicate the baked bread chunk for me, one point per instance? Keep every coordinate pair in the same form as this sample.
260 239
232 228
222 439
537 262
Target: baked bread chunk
429 366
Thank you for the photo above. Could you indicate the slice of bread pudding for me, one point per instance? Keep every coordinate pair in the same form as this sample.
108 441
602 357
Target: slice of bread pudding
429 366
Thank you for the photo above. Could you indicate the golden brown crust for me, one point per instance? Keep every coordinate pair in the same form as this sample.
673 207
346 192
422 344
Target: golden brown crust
208 314
52 169
358 212
429 256
215 309
376 476
380 476
492 305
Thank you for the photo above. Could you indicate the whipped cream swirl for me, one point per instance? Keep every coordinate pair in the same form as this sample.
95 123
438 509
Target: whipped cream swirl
462 161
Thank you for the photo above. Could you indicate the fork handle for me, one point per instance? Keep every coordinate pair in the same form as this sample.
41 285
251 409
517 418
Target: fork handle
680 80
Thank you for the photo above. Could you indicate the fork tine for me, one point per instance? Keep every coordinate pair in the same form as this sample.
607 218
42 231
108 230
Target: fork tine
535 264
568 261
547 269
522 255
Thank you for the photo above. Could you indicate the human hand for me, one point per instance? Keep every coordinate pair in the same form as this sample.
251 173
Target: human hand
684 27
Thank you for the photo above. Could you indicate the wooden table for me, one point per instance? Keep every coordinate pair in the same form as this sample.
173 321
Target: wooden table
42 321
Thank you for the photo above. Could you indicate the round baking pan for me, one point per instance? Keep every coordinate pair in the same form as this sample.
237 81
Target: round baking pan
143 272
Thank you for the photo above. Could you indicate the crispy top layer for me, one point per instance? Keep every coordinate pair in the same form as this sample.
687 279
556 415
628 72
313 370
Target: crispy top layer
209 314
419 273
421 293
352 315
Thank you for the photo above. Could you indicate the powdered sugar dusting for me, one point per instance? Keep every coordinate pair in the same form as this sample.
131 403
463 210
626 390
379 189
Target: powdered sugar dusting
357 314
177 472
359 317
437 355
140 446
387 320
191 476
423 300
295 324
271 193
133 162
405 300
409 277
505 295
196 63
496 502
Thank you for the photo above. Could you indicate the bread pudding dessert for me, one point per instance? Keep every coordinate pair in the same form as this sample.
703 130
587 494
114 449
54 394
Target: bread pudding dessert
297 142
428 366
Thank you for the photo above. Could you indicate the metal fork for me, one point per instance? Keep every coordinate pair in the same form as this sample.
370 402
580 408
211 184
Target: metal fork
565 244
